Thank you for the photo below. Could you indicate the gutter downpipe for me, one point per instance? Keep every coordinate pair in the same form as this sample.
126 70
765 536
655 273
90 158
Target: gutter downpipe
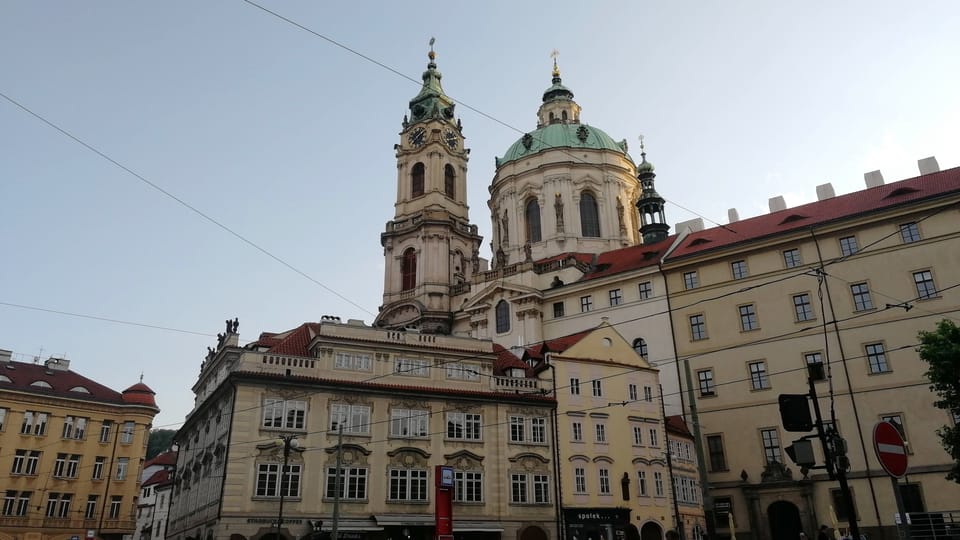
561 534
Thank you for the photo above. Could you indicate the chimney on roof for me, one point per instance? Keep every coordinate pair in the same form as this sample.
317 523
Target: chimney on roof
695 225
873 179
928 165
5 355
57 364
825 191
733 216
777 203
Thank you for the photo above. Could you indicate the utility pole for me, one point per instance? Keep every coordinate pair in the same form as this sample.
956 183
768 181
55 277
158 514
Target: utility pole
673 484
289 442
337 483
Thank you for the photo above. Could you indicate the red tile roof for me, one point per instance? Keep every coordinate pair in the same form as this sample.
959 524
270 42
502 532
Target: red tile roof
507 360
675 424
557 345
22 375
164 459
140 394
159 478
629 258
292 342
912 190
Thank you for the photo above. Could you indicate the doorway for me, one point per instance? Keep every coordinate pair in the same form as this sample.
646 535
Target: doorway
784 518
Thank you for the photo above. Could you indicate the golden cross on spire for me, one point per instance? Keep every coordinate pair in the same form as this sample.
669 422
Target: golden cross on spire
554 54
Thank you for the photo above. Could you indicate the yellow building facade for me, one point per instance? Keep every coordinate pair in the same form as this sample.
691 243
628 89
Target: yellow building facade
847 281
406 402
70 452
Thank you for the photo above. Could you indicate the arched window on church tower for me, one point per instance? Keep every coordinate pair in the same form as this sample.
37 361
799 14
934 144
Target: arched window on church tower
533 221
640 346
589 219
408 270
416 180
449 180
563 116
503 316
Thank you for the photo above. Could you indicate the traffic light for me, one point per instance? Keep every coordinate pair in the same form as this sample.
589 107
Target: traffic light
795 412
801 453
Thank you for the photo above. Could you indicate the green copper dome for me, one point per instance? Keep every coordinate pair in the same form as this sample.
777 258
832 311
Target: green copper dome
572 136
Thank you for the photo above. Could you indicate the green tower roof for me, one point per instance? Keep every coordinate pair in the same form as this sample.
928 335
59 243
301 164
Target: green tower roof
573 136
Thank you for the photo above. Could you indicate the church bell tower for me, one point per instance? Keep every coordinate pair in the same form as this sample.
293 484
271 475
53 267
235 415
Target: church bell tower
430 248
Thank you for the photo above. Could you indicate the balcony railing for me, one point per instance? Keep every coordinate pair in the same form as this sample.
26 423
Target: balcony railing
515 384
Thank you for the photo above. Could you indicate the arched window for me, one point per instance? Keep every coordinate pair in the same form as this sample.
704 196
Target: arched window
563 116
640 346
416 180
449 180
503 317
589 220
408 270
533 221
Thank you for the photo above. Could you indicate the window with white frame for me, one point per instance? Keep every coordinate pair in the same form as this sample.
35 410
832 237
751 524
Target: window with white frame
352 361
658 483
637 436
105 427
604 477
616 297
74 427
73 466
126 435
58 505
34 423
123 466
558 310
33 461
771 445
877 358
739 269
354 419
527 488
579 480
271 482
758 375
791 258
861 297
464 426
705 379
597 386
640 346
281 413
748 317
648 394
463 371
690 280
409 423
468 486
576 431
353 483
3 418
813 358
586 304
116 503
601 432
802 308
923 280
646 290
654 440
848 246
632 392
412 367
98 464
574 386
698 327
408 485
60 465
642 480
909 233
90 511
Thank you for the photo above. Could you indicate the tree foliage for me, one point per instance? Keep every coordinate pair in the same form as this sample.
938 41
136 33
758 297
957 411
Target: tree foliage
160 441
941 350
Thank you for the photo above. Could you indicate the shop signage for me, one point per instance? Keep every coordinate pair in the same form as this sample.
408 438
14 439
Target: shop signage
606 515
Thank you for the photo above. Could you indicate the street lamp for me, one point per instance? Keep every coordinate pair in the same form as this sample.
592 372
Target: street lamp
289 442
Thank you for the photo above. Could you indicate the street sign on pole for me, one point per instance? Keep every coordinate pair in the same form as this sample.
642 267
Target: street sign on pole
891 450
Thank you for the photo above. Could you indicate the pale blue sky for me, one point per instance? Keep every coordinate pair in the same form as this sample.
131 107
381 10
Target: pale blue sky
288 140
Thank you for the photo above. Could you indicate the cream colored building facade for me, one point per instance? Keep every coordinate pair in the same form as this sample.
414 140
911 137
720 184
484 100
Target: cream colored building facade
751 308
70 452
406 403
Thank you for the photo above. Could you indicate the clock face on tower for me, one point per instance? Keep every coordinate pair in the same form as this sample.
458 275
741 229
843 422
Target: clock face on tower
418 136
450 138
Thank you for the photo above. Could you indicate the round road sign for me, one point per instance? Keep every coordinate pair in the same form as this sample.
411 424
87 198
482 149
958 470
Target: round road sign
891 450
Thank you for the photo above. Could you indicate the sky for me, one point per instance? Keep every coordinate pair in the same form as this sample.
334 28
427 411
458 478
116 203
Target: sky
223 162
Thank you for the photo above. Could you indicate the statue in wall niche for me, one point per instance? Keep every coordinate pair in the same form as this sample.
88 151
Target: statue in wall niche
501 258
558 207
623 227
528 252
505 238
475 261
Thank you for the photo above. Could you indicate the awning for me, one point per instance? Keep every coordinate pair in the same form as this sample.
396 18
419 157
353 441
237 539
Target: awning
477 526
351 525
410 520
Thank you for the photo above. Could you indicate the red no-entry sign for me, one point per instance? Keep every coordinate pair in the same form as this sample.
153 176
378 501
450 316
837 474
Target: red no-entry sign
891 450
